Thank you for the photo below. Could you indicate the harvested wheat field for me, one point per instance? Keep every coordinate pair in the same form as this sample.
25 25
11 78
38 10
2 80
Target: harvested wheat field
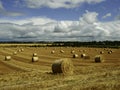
20 73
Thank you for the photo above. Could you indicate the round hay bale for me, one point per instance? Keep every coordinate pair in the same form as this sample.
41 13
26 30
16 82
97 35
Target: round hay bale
83 55
22 50
19 50
7 58
61 51
109 52
67 47
72 51
14 53
34 54
80 50
101 52
75 55
64 66
99 59
34 59
96 50
52 52
84 50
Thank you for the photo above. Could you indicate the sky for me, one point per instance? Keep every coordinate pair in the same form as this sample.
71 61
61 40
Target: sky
59 20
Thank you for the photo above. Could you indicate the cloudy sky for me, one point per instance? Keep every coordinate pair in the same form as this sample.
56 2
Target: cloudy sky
59 20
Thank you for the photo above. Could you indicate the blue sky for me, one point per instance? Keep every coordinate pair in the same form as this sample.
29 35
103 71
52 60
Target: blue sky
59 20
104 7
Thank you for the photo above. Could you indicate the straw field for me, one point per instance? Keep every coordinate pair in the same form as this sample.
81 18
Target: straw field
19 73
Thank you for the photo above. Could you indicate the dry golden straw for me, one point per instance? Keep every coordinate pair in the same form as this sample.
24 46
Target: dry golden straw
86 57
63 65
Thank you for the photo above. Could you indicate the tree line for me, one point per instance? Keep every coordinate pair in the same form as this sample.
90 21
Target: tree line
101 44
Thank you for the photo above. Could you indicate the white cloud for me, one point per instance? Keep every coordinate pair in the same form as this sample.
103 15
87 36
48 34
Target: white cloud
58 3
89 17
107 15
30 21
12 13
88 28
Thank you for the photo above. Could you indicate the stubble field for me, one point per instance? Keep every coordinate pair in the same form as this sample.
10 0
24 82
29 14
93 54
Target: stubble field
20 73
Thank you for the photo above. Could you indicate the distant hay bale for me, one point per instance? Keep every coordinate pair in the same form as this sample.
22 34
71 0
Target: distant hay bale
35 59
83 55
105 49
22 50
63 65
61 51
109 52
80 50
19 50
72 51
7 58
75 55
84 50
14 53
101 52
34 54
52 52
99 59
96 50
67 47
